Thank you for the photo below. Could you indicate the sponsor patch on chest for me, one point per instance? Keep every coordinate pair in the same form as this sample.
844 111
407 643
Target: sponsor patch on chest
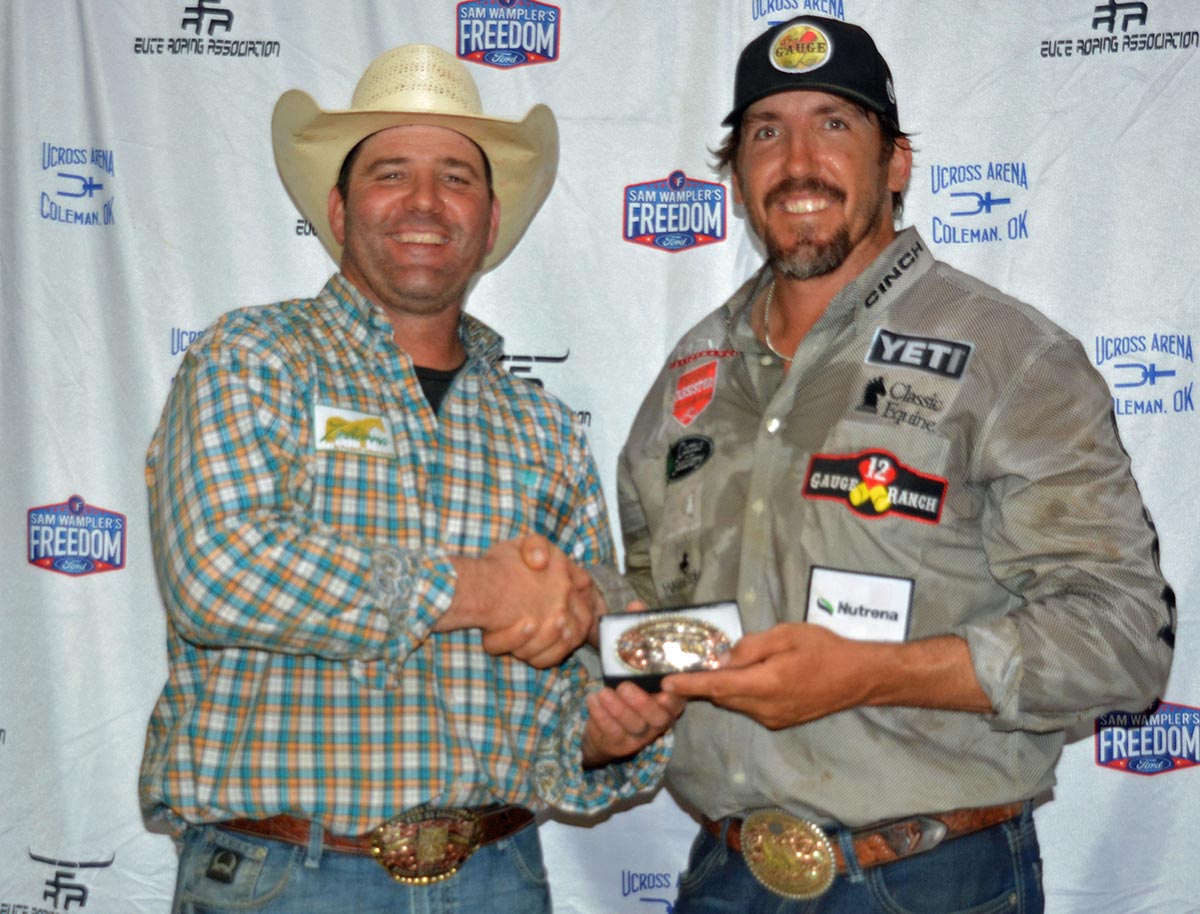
336 429
865 607
694 390
875 484
947 358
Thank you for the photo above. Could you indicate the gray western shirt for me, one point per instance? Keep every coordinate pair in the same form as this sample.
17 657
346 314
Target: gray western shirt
939 459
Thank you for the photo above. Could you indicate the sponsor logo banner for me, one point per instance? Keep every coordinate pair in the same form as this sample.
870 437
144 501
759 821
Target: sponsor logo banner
1117 27
1149 372
77 185
75 538
675 213
979 202
205 30
508 33
776 12
1166 738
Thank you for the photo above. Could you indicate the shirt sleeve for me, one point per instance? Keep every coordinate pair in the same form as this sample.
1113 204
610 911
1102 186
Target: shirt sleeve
240 560
1065 531
559 777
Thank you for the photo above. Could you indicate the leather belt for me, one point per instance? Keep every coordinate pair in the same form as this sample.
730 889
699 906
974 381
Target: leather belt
879 844
419 847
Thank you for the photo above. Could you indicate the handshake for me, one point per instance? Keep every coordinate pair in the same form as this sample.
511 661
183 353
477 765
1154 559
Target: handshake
529 599
534 603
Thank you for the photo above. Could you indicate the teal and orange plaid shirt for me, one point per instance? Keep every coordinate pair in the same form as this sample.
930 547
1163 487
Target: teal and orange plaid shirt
303 501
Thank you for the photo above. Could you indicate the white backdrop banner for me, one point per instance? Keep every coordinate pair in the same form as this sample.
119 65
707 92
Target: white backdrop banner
1055 158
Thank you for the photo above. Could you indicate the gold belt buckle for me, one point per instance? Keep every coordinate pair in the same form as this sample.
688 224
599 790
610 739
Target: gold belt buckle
423 846
792 857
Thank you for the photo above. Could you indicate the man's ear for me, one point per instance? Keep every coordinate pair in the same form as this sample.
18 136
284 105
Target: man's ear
337 215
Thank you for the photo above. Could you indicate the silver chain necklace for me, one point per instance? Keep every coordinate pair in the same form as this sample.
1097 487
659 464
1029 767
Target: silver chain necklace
767 325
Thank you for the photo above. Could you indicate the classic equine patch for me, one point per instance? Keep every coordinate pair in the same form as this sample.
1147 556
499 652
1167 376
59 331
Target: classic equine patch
687 455
874 484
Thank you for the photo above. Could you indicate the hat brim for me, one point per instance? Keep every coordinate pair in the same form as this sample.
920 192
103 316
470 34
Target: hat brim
311 144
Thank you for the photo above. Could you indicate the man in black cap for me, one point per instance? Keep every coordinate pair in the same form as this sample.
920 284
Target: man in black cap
913 487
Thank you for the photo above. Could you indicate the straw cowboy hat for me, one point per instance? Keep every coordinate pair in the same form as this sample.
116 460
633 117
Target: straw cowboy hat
424 85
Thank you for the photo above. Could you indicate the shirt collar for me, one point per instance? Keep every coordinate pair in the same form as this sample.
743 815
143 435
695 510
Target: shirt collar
365 320
897 267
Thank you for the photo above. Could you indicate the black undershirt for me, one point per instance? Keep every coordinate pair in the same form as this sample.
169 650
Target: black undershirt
435 383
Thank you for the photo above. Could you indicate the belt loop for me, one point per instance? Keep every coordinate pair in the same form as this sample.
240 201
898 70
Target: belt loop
316 840
845 840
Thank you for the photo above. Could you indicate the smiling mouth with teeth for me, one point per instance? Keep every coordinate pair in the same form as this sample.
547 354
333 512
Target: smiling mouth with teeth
805 206
421 238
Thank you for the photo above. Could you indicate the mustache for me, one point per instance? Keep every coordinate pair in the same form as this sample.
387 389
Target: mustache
790 186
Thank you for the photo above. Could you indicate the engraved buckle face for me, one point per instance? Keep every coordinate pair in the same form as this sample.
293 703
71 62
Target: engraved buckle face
671 645
790 856
423 846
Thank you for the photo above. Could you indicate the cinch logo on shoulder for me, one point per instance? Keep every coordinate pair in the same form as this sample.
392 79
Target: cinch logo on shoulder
675 213
1148 372
771 9
875 484
1166 738
77 185
508 33
980 202
75 538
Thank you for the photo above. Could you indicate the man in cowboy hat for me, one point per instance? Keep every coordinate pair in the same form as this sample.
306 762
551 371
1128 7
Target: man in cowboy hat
913 487
377 548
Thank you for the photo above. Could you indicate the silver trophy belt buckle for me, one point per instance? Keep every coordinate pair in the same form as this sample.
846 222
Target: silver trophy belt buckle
790 856
424 846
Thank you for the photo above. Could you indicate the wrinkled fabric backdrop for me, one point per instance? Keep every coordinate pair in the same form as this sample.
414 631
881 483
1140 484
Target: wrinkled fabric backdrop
1055 147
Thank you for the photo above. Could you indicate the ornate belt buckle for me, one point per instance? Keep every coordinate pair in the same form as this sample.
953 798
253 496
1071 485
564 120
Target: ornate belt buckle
671 644
423 846
790 856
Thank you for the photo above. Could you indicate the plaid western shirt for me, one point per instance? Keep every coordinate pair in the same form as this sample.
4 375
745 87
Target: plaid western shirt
304 500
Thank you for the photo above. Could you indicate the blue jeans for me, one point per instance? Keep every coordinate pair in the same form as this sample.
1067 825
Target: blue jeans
995 870
221 873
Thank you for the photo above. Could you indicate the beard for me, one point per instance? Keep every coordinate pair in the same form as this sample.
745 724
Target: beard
805 255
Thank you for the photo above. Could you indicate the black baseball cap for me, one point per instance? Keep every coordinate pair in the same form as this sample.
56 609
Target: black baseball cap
812 52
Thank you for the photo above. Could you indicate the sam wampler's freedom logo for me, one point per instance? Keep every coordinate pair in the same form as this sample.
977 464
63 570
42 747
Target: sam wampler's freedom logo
508 33
675 213
1165 738
76 538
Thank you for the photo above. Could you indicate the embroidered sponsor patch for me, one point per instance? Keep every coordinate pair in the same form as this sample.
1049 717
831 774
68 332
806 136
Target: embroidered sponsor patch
866 607
694 391
947 358
874 484
687 455
336 429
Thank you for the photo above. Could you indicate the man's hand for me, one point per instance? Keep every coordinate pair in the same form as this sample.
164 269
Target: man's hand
529 599
796 672
623 720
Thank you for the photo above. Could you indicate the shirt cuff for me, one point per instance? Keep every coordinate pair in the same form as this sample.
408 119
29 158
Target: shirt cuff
561 781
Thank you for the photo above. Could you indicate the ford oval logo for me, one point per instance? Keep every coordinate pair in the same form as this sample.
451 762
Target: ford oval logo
74 565
1151 764
504 58
675 241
